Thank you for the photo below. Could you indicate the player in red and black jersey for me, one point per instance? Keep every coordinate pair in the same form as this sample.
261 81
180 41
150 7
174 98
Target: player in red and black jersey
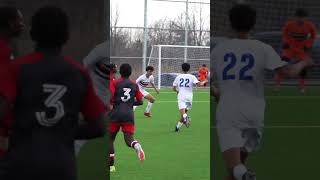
46 91
125 95
11 26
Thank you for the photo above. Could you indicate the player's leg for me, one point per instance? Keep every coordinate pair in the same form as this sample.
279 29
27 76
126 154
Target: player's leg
183 114
234 144
304 56
112 152
151 100
113 130
181 120
128 132
303 75
237 169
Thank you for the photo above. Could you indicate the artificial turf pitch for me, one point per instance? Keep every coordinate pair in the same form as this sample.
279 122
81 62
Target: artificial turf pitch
169 155
290 145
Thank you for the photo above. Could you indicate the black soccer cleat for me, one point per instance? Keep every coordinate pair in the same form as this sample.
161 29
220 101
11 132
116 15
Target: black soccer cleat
176 129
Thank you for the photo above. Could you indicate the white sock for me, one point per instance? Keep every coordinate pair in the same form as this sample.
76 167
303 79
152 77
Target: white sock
179 125
239 170
136 145
148 109
134 108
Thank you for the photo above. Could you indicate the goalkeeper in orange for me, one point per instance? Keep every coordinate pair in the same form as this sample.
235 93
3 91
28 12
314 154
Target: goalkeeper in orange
203 73
298 36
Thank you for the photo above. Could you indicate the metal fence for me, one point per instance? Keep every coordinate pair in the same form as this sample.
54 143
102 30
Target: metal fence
133 44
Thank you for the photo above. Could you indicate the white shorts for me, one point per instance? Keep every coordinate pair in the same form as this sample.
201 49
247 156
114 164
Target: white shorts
248 139
184 104
144 92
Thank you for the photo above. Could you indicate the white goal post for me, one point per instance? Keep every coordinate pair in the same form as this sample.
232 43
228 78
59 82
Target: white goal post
167 60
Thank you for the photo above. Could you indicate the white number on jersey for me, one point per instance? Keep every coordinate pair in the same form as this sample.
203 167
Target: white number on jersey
126 94
53 101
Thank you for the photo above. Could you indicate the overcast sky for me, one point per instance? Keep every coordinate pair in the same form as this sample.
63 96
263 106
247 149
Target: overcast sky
131 12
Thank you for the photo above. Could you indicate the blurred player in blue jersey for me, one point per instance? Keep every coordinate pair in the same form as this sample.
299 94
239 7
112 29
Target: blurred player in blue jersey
239 66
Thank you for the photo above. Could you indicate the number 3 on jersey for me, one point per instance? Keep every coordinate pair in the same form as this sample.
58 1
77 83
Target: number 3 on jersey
231 58
126 95
53 101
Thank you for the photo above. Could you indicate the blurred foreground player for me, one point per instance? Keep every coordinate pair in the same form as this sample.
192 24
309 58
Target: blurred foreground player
11 26
298 36
183 85
125 95
239 66
46 92
101 73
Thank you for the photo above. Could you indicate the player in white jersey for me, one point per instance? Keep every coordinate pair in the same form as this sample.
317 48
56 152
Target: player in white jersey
183 85
238 66
143 82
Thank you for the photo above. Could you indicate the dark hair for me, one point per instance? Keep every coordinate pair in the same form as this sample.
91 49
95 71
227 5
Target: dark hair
185 67
125 70
300 12
204 65
149 68
242 17
7 14
50 27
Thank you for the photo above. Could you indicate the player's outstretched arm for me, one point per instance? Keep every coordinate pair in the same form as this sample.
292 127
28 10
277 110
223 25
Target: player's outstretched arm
175 89
155 88
202 83
293 70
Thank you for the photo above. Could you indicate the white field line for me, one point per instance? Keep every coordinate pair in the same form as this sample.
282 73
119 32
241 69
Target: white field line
177 101
289 127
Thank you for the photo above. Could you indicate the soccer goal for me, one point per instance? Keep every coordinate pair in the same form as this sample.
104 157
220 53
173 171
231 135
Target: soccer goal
167 60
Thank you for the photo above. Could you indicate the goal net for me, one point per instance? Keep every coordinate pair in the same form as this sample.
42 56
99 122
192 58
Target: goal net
167 60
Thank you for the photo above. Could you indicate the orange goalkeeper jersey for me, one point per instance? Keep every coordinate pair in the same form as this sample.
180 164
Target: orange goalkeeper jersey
203 73
298 37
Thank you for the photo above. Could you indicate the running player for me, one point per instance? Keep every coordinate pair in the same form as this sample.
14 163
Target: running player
239 66
11 26
203 73
125 94
298 36
46 92
183 85
143 81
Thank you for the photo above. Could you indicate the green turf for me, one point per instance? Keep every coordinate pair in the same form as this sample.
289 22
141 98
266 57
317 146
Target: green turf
169 155
290 145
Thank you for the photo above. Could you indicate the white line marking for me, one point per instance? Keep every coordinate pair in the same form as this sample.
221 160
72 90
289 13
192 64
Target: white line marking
177 101
195 92
288 127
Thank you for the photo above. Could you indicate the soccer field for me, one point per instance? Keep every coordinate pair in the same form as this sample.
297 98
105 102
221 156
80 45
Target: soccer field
290 147
169 155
